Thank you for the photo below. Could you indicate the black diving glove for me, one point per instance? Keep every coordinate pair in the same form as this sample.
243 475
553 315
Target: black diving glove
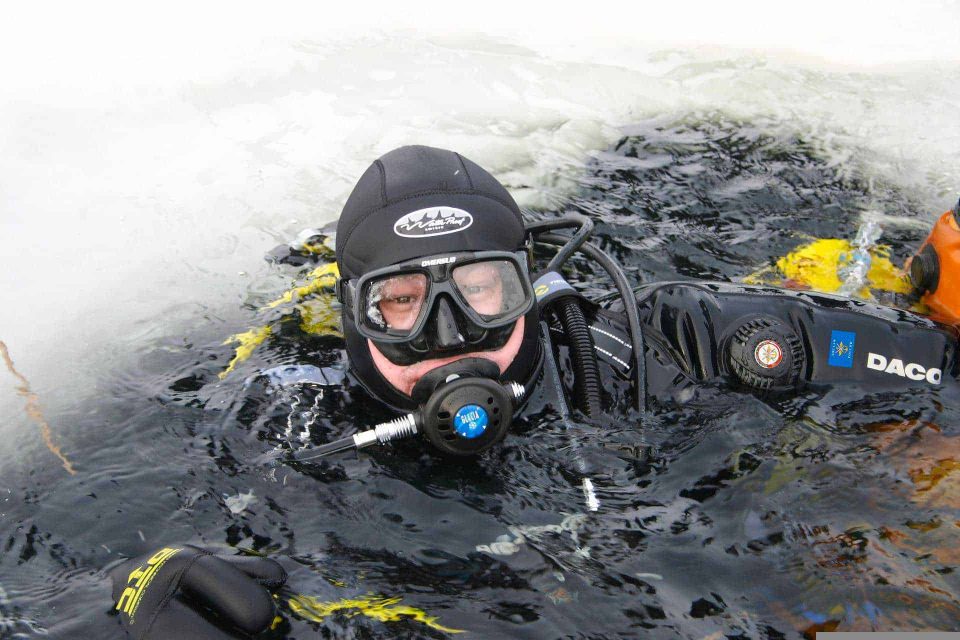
187 593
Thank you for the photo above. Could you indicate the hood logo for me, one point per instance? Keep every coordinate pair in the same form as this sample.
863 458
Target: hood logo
435 221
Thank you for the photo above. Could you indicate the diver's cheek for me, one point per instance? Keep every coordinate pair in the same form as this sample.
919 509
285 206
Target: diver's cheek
505 355
397 375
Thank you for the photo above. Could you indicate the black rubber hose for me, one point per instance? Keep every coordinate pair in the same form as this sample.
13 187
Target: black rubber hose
570 244
629 306
586 380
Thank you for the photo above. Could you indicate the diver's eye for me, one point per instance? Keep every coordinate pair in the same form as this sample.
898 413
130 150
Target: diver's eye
397 300
476 289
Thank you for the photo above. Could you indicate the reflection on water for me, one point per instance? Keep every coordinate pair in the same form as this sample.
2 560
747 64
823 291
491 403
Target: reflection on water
837 509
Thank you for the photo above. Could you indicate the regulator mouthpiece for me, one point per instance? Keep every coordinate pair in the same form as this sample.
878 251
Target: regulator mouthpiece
469 415
462 417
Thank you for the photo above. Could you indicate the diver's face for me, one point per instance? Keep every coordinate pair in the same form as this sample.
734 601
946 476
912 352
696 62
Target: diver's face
400 302
405 377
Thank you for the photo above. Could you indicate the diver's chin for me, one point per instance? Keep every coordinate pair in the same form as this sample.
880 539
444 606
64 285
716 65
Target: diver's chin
405 377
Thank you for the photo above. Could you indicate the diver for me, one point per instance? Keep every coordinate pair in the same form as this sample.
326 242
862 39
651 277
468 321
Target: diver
447 321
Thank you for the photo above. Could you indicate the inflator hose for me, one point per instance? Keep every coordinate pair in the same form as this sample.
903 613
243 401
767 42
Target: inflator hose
629 307
584 229
586 381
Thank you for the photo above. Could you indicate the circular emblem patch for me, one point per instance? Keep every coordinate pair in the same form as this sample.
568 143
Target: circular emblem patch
768 354
470 421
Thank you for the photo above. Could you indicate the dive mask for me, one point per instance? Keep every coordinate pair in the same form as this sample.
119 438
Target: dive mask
442 304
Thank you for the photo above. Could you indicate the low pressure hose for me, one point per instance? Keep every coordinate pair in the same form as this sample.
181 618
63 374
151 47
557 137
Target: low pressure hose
571 245
629 304
586 385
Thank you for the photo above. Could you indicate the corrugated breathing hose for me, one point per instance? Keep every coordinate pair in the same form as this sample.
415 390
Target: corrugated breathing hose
587 384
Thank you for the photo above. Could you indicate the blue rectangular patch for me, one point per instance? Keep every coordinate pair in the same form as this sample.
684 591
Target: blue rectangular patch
842 344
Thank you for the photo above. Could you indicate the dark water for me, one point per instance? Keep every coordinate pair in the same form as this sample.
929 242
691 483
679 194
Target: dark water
749 519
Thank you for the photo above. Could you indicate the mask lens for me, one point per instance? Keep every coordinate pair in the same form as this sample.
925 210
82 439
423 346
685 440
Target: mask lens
394 303
492 288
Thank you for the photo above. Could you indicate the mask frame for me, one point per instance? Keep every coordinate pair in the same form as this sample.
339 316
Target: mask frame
439 272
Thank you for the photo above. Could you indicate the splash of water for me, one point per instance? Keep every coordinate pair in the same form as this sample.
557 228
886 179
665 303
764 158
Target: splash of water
854 271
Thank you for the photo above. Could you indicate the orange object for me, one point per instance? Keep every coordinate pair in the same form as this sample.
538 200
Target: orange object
935 269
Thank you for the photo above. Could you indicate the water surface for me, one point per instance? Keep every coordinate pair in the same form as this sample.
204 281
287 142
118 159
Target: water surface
749 518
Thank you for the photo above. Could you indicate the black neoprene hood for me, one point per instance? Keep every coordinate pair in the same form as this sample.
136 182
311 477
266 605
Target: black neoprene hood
421 201
418 201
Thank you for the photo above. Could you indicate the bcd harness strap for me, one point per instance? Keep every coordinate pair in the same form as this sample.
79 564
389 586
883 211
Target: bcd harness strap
610 342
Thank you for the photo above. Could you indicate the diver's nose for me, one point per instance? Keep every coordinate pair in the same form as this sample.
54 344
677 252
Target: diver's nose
447 334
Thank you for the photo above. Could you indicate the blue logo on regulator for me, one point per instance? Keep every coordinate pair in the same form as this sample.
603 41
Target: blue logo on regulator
471 421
